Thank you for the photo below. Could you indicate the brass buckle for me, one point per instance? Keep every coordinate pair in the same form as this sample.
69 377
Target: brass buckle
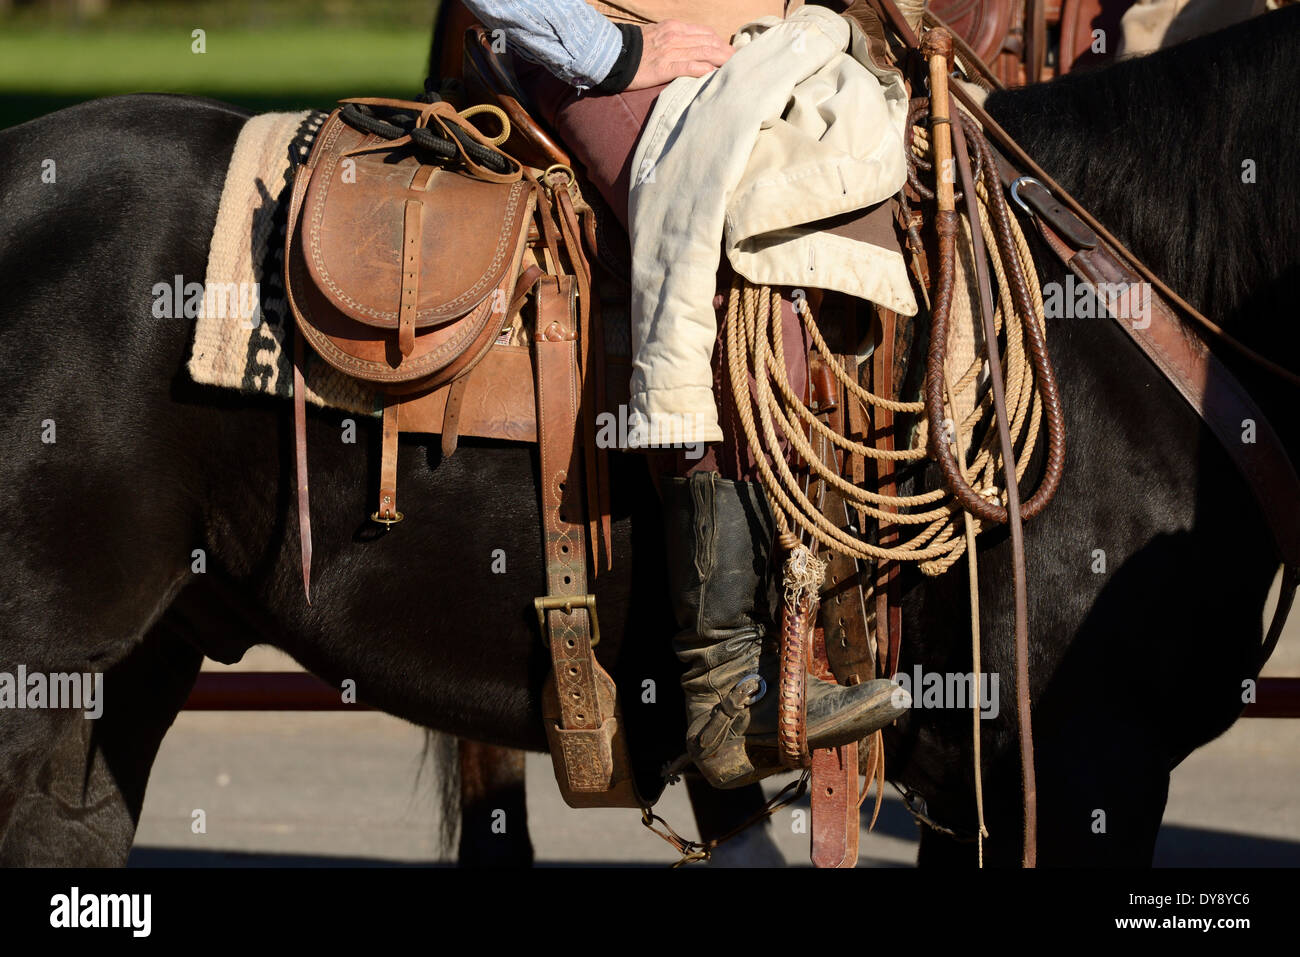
389 522
558 168
571 185
566 604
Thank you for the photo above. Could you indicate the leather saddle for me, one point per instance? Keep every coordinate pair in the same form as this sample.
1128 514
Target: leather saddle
451 280
1014 36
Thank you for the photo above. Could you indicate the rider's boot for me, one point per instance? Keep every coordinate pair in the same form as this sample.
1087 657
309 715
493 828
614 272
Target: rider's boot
719 539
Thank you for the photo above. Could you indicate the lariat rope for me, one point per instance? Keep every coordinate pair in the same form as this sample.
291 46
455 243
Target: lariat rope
775 418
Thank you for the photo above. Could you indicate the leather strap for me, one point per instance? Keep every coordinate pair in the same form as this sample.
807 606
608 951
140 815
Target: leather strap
1023 160
1019 567
591 340
387 512
412 229
849 646
300 459
1035 40
1034 194
889 609
451 413
1207 386
833 798
582 725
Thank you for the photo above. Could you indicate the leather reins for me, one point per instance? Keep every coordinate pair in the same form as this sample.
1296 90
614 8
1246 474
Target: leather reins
950 143
1097 256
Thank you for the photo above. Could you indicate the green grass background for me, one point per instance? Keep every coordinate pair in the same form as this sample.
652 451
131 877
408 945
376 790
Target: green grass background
264 56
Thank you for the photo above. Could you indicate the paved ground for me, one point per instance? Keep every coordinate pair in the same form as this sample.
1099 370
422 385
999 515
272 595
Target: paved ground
338 788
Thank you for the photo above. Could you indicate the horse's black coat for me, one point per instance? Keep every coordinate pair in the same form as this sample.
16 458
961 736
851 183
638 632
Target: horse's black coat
1133 667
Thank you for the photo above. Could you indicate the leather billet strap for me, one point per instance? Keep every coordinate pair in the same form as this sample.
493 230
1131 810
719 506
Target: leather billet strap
560 185
843 611
300 458
833 796
588 749
558 412
387 512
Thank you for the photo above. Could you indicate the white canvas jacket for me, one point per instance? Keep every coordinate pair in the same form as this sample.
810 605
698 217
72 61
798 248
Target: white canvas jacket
799 125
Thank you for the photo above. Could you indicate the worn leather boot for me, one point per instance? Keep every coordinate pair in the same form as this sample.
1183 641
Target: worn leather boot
719 539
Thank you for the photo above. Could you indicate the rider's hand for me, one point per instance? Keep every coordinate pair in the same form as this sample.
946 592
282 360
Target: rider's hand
672 49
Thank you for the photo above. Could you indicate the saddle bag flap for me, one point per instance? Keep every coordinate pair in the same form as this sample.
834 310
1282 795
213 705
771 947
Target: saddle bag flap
355 227
346 269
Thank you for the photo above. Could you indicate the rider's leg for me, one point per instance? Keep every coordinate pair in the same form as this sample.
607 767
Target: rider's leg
719 545
717 518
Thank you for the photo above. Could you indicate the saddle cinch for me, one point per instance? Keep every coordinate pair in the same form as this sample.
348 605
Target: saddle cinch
451 280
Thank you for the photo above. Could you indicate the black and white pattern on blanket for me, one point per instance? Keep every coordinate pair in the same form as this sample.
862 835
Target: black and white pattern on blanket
252 353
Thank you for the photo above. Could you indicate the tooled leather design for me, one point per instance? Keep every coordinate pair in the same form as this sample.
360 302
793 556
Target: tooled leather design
411 369
508 238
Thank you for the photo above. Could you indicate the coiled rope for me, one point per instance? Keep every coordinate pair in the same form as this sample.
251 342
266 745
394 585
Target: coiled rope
772 414
450 137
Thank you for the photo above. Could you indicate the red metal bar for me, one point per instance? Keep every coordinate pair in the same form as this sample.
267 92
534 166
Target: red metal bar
300 691
1275 698
266 691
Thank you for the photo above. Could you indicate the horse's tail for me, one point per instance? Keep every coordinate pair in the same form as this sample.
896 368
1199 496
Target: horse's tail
442 752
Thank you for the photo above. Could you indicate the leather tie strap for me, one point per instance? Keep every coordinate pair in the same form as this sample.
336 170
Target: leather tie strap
300 459
412 231
387 513
451 414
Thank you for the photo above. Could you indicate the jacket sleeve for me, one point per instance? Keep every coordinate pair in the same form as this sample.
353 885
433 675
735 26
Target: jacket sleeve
567 37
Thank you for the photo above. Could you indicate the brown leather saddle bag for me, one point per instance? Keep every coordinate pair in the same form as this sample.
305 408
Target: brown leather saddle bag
404 264
400 271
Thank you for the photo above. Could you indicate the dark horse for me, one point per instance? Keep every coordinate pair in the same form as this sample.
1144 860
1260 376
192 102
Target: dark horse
117 468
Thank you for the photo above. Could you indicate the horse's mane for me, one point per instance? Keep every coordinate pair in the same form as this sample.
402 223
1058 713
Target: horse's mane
1156 147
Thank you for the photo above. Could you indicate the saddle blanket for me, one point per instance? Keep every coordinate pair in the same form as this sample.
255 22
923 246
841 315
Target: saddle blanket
244 344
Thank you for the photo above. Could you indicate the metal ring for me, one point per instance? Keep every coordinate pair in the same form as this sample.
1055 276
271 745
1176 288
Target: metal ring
496 112
397 517
558 168
758 695
1015 192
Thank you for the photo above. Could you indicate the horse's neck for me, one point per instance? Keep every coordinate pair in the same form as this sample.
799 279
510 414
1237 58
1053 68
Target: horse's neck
1184 155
